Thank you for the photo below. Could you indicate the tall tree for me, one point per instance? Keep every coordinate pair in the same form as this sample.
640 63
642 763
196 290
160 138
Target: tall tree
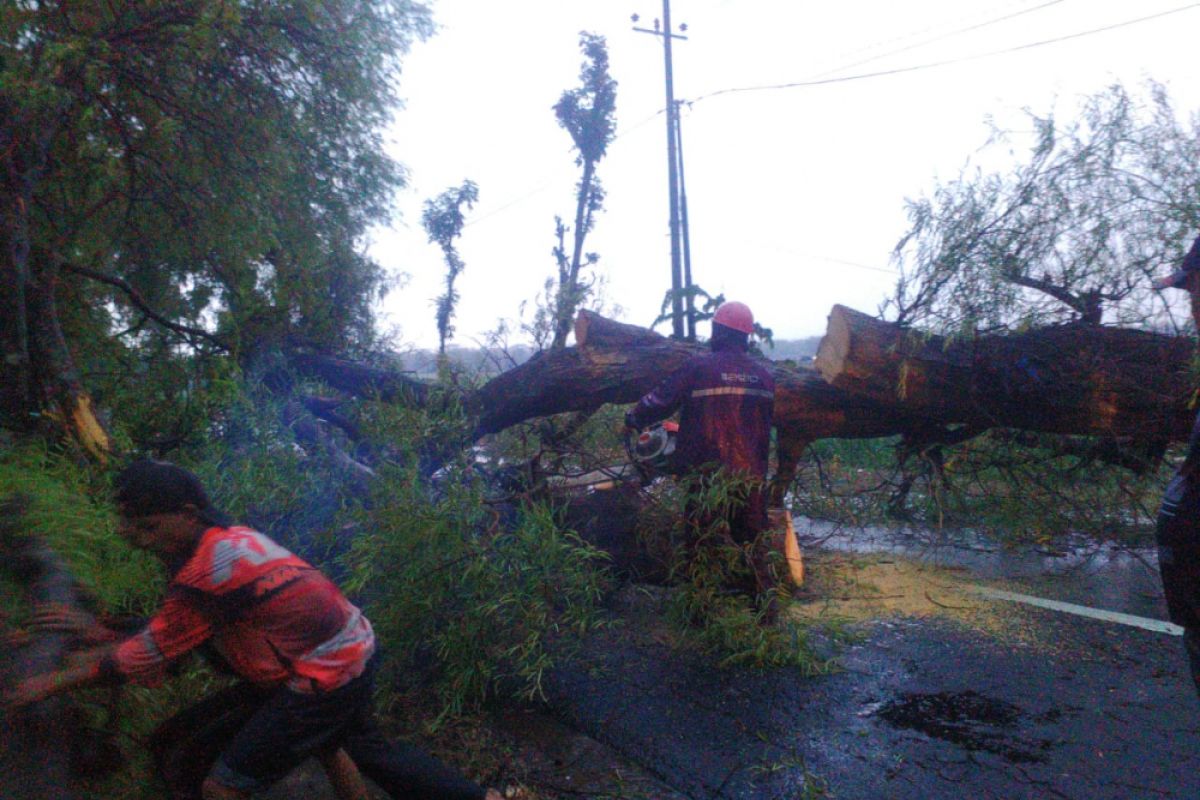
588 114
443 222
208 166
1074 233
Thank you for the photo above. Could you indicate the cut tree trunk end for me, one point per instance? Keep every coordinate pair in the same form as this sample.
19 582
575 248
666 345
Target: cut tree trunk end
1076 379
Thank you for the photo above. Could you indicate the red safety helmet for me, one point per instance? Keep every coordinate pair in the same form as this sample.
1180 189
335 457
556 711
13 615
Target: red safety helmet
735 315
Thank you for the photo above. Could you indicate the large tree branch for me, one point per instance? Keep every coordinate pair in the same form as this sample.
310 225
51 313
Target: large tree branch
1086 304
139 302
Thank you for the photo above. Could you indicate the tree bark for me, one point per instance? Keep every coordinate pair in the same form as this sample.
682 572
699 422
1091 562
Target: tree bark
16 196
63 396
1076 379
871 379
613 362
360 380
38 376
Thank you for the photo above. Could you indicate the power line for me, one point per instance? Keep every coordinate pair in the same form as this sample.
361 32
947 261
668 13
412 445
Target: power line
947 35
948 62
882 73
555 174
545 182
841 67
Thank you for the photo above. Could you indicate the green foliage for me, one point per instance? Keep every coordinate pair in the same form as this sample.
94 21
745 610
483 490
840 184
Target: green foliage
588 114
66 515
1039 489
563 445
1019 488
474 603
714 606
71 513
846 480
219 163
443 222
1076 231
256 472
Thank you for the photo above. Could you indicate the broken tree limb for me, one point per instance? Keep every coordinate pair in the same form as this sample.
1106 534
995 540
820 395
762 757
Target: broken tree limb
1078 379
615 362
361 380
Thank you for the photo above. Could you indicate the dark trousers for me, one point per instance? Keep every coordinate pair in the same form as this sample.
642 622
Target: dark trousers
1178 536
739 521
1191 643
187 745
743 515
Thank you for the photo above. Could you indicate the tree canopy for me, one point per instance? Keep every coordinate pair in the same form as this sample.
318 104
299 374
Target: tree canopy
588 114
209 165
443 221
1101 205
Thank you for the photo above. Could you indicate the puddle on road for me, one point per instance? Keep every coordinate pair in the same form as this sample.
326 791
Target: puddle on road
969 720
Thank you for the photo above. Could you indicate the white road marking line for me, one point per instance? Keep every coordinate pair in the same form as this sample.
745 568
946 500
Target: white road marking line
1156 625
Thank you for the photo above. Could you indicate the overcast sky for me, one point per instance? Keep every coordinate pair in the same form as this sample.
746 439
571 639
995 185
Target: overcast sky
795 194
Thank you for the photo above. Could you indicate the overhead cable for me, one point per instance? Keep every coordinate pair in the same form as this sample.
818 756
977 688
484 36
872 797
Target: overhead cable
943 37
948 62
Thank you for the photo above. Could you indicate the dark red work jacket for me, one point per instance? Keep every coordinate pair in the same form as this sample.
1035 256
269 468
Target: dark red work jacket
727 399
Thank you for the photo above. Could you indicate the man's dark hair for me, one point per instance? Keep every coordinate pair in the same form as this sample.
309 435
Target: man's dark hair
159 487
726 338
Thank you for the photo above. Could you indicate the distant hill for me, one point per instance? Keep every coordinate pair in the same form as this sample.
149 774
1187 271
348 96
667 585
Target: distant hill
799 350
467 359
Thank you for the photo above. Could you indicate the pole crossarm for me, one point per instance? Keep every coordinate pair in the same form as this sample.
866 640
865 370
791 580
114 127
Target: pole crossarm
659 33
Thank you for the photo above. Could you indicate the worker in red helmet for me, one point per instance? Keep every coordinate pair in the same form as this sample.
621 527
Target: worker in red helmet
726 400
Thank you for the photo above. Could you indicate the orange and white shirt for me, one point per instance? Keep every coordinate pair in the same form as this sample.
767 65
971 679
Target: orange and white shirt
273 617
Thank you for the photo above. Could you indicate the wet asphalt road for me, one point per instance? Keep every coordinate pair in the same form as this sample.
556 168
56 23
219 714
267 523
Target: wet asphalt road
921 708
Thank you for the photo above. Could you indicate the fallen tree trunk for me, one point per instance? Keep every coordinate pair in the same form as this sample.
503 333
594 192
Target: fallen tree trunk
618 363
871 379
1078 379
614 362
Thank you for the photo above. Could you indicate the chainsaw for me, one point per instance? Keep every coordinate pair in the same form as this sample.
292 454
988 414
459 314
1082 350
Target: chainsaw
648 456
650 452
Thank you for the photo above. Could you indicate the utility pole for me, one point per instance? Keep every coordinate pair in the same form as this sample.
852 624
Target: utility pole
677 284
683 222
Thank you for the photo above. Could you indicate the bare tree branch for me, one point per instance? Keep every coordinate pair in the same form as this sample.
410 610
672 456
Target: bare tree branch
135 297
